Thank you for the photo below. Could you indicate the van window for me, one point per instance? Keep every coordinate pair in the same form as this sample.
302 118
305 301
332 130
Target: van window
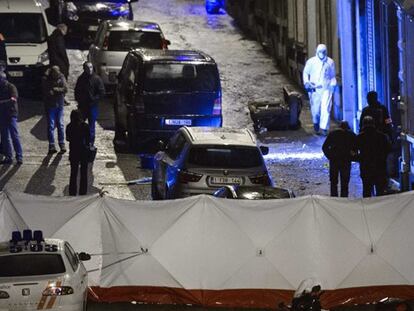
126 40
23 27
225 156
31 264
181 77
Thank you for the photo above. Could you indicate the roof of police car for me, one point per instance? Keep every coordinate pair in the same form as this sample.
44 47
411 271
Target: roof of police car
220 136
21 6
116 25
5 246
184 56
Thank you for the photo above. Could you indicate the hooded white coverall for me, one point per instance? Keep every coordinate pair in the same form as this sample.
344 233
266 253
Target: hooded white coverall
320 74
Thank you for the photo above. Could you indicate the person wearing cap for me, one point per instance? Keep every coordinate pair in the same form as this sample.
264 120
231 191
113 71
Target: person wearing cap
8 121
54 88
340 149
373 148
89 90
319 79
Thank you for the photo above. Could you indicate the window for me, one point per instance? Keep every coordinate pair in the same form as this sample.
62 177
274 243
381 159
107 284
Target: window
31 264
72 258
225 157
126 40
23 27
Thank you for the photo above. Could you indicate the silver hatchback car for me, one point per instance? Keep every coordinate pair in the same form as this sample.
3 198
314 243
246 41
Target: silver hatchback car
199 160
113 41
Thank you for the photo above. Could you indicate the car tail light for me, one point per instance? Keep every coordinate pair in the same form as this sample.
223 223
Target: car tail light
186 177
58 291
261 179
4 295
105 43
217 107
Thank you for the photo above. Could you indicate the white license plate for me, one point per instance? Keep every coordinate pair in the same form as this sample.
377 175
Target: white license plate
16 74
93 28
225 180
177 122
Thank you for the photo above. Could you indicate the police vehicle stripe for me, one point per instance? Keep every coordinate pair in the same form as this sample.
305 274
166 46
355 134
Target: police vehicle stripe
43 299
53 298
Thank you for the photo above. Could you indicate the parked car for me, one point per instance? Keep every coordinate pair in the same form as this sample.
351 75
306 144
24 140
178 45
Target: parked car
114 39
199 160
83 16
253 193
24 25
38 274
161 90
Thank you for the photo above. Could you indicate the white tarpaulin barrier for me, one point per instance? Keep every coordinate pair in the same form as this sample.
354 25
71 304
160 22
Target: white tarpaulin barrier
210 251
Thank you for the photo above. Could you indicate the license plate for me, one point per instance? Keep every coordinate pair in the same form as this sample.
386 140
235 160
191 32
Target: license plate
177 122
16 74
93 28
226 180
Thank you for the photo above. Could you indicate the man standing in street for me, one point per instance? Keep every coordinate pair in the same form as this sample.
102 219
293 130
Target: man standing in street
373 148
319 79
89 90
340 149
54 88
8 121
57 49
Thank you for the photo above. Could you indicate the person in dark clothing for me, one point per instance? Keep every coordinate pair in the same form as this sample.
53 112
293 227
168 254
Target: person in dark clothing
340 149
54 88
57 49
89 90
77 134
373 148
308 301
3 52
8 121
380 114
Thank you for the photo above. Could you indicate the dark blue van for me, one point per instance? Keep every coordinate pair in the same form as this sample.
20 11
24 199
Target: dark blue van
161 90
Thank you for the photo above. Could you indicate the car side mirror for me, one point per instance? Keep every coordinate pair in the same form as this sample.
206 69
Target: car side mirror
84 256
161 146
167 42
264 150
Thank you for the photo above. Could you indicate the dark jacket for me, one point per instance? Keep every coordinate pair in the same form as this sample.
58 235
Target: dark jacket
57 51
373 148
381 118
340 145
78 136
3 53
53 90
7 92
89 90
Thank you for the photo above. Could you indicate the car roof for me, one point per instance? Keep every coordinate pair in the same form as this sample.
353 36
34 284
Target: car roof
21 6
5 247
119 25
220 136
185 56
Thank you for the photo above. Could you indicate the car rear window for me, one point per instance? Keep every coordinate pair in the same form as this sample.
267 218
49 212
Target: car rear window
31 264
181 77
225 157
126 40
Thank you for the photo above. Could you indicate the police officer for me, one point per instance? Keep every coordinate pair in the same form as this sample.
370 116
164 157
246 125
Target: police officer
340 149
8 121
373 148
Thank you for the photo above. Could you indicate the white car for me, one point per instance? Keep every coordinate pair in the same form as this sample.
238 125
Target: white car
41 275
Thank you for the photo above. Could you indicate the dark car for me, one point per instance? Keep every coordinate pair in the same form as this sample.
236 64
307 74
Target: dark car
84 16
160 91
253 193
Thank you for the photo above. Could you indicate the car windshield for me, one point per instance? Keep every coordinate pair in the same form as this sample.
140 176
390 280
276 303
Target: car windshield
225 156
31 264
126 40
181 77
23 27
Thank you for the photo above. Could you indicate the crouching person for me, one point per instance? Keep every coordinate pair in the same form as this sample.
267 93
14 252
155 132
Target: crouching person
54 88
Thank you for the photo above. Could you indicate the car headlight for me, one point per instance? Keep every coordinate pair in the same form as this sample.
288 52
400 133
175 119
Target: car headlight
43 58
124 8
4 295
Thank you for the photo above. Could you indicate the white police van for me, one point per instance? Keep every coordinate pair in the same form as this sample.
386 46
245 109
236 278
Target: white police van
25 27
41 274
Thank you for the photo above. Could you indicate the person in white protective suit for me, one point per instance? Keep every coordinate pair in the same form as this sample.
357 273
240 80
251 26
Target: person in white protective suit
319 79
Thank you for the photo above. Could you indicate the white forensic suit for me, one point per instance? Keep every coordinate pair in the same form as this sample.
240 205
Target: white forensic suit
319 78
